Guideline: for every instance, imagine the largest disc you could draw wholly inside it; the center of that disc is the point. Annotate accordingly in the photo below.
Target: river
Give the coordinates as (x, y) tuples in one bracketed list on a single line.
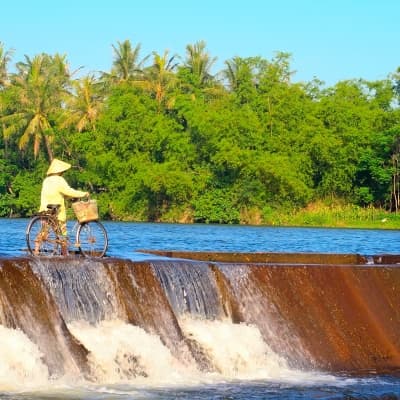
[(271, 381), (126, 238)]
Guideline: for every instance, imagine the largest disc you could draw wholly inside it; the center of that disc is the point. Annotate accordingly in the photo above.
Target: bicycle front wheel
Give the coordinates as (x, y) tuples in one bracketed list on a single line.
[(91, 238), (41, 238)]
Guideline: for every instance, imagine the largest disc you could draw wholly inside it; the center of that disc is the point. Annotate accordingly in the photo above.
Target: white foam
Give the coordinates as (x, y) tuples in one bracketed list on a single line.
[(236, 350), (120, 352), (124, 353), (21, 365), (239, 351)]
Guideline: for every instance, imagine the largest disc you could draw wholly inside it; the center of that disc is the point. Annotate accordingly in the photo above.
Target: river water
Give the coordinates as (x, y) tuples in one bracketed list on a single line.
[(127, 240)]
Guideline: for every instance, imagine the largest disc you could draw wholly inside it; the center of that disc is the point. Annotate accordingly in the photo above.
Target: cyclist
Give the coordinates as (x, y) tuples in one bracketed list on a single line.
[(55, 189)]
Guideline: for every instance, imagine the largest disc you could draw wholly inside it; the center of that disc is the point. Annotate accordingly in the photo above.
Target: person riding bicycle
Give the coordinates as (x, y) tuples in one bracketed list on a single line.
[(55, 189)]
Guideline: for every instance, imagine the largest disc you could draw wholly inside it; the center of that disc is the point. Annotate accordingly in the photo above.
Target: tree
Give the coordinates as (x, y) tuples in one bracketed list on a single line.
[(39, 90), (241, 79), (5, 58), (274, 89), (160, 78), (199, 63), (396, 84), (84, 105), (126, 65)]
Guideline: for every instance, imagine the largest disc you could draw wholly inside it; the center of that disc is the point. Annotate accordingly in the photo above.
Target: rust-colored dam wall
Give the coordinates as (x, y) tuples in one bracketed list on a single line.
[(327, 312), (284, 258), (342, 310)]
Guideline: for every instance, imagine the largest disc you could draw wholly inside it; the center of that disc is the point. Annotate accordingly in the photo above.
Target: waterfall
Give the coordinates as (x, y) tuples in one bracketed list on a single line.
[(237, 350), (27, 305), (258, 307), (120, 352), (113, 320), (21, 361), (190, 287), (81, 287)]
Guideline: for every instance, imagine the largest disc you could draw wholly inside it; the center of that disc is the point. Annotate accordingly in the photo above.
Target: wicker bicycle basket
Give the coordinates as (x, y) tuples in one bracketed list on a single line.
[(86, 211)]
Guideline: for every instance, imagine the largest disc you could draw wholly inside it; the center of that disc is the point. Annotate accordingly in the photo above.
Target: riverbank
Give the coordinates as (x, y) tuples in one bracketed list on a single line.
[(318, 214), (337, 216), (328, 213)]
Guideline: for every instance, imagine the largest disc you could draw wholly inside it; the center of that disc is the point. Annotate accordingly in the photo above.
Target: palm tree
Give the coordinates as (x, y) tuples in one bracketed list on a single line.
[(199, 63), (160, 78), (238, 71), (5, 58), (41, 87), (241, 77), (126, 64), (85, 105)]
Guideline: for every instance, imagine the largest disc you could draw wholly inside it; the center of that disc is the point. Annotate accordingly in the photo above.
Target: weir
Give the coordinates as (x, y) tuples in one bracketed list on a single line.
[(111, 318)]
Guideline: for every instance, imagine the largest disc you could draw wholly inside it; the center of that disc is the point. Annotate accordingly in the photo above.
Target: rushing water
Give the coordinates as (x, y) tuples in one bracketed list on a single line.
[(261, 375)]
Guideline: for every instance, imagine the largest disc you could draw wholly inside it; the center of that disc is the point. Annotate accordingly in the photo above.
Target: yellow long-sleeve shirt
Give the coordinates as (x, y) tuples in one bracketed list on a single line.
[(54, 190)]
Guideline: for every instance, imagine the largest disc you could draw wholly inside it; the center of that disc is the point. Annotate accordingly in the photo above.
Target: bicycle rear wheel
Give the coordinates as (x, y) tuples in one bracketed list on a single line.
[(91, 238), (41, 238)]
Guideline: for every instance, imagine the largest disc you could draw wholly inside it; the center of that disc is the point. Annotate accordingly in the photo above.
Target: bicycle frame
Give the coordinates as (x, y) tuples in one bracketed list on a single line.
[(44, 236)]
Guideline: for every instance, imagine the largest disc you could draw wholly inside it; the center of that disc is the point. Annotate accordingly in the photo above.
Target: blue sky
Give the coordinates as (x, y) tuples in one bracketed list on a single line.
[(331, 40)]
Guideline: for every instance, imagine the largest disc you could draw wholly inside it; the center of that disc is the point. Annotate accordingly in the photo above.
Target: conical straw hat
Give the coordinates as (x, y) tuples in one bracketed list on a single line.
[(58, 166)]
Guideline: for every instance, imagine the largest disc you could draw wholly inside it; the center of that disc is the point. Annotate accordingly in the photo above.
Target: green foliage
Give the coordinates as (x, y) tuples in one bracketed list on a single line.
[(26, 188), (334, 213), (216, 206), (167, 141), (6, 197)]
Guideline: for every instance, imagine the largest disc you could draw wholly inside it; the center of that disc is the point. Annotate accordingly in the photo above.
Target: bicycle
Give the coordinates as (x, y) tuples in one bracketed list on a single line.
[(45, 238)]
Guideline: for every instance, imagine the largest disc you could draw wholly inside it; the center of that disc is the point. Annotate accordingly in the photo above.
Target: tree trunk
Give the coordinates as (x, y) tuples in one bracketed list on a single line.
[(48, 148)]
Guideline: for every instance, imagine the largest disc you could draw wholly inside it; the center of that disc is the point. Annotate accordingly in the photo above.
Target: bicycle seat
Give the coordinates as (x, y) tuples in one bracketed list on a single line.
[(53, 207)]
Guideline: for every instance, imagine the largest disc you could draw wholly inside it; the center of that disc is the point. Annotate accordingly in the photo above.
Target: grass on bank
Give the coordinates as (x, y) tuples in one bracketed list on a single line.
[(336, 216), (332, 213)]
